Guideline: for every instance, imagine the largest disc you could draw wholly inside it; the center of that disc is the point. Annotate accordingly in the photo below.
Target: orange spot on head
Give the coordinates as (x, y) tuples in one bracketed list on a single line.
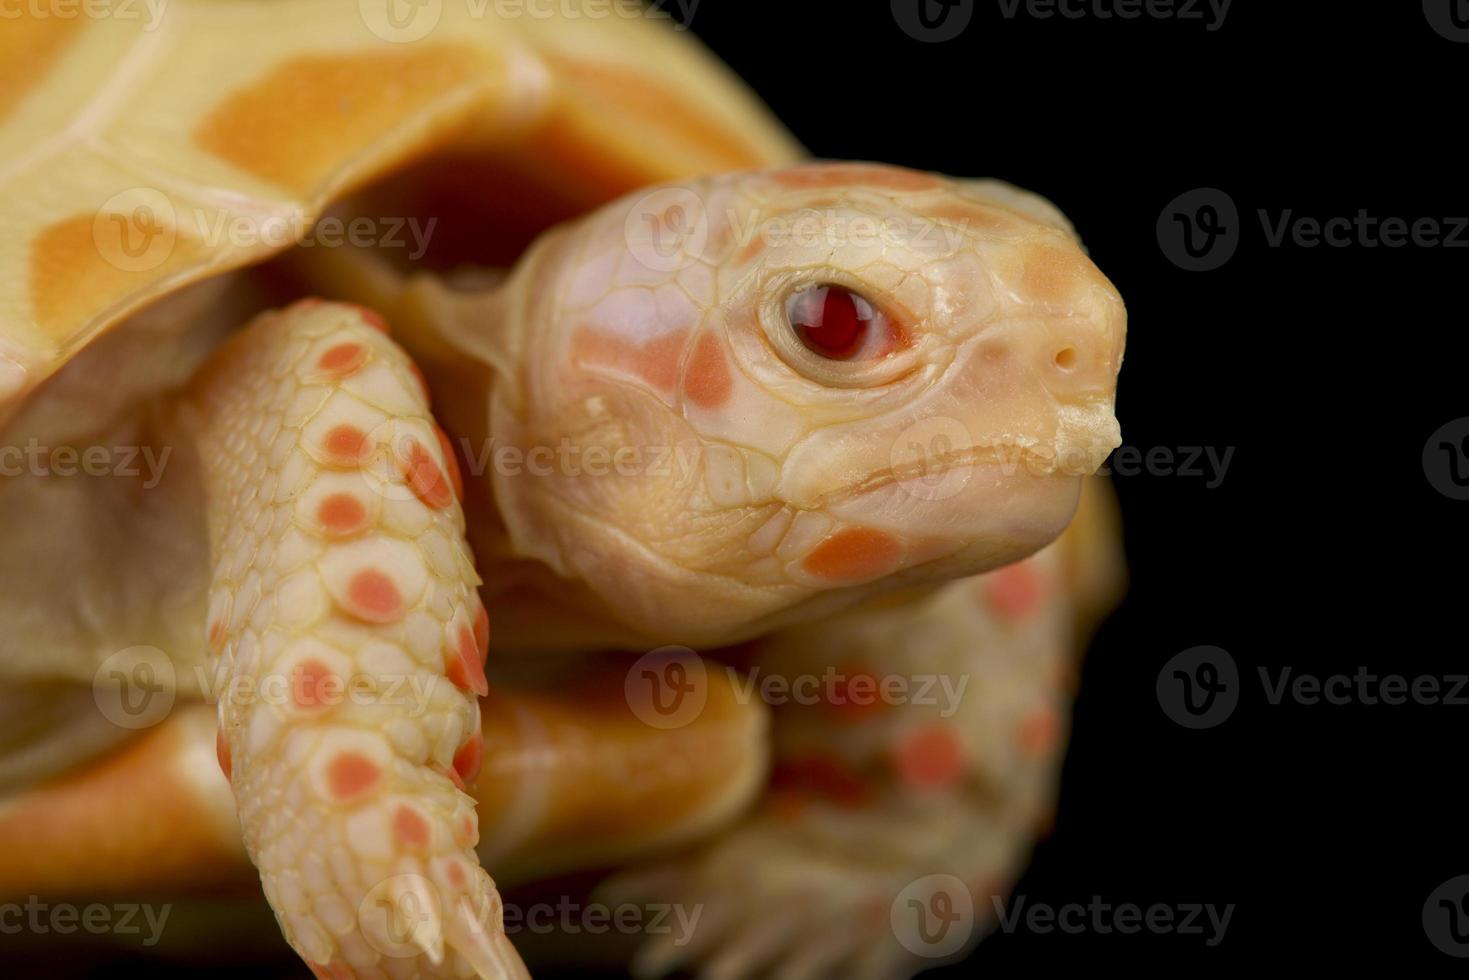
[(313, 685), (222, 753), (655, 361), (469, 757), (1013, 592), (930, 758), (410, 828), (854, 554), (451, 461), (352, 774), (708, 383), (374, 596), (425, 478), (1040, 731), (343, 360), (826, 175), (341, 514), (347, 445), (464, 665)]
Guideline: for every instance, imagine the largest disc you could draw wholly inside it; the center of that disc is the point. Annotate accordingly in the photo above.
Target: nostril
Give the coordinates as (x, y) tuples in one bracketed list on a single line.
[(1066, 358)]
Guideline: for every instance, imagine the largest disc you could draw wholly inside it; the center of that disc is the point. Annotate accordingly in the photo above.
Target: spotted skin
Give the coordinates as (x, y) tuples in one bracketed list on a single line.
[(341, 571)]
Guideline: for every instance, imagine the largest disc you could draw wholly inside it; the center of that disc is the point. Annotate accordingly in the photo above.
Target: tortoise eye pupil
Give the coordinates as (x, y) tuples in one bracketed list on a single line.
[(830, 320)]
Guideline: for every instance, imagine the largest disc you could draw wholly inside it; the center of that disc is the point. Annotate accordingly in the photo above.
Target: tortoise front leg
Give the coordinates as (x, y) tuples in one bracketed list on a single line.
[(917, 745), (347, 641)]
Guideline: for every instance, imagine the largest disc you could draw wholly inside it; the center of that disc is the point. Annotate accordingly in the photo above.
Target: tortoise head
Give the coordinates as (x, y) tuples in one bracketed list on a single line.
[(760, 396)]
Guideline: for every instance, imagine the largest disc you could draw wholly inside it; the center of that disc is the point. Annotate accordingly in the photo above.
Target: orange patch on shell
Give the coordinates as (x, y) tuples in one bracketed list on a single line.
[(707, 382), (428, 482), (352, 774), (655, 361), (343, 360), (823, 175), (29, 47), (469, 757), (854, 554), (930, 758), (341, 515), (347, 445), (312, 115), (374, 597), (410, 828)]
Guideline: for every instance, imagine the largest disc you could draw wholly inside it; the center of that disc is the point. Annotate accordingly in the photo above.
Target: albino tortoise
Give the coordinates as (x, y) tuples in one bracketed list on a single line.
[(779, 412)]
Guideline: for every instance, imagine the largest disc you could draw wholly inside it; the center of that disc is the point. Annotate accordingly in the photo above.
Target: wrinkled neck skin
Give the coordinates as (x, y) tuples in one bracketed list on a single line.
[(669, 462)]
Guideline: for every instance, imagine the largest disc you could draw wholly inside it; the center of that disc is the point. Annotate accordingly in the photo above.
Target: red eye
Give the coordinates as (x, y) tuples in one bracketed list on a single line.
[(838, 324)]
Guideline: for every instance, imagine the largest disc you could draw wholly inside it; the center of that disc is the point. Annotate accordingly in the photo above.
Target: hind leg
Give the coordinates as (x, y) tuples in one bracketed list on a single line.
[(917, 747)]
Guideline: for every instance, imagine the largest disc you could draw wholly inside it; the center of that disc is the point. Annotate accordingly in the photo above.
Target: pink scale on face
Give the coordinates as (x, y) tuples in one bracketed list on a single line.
[(707, 381), (854, 554), (373, 595), (351, 775)]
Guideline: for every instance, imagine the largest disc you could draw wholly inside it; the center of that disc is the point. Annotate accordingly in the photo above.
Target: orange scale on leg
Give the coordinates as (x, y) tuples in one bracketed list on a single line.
[(371, 317), (341, 515), (216, 634), (470, 756), (410, 828), (464, 666), (343, 360), (347, 445), (425, 478), (352, 774), (314, 685), (930, 758), (456, 478), (481, 627), (222, 753), (372, 595)]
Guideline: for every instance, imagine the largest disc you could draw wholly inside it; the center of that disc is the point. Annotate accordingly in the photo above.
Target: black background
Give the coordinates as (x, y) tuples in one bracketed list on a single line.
[(1324, 548)]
